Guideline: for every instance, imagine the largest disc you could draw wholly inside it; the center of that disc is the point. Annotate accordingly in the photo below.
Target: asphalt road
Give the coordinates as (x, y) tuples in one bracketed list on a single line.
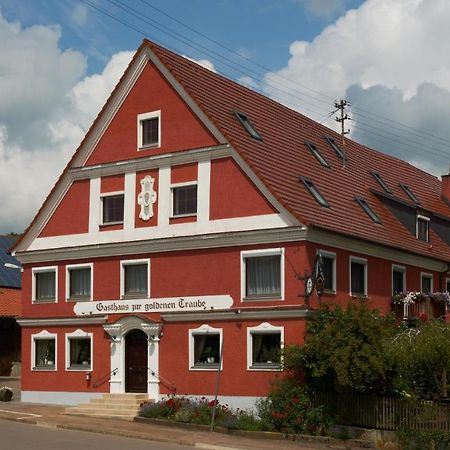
[(21, 436)]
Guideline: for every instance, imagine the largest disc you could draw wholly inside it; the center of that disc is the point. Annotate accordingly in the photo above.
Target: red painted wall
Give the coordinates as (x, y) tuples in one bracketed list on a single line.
[(184, 173), (72, 214), (180, 129), (112, 183)]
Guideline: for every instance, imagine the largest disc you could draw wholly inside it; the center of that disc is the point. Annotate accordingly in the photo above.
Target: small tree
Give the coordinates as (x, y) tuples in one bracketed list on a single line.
[(345, 350)]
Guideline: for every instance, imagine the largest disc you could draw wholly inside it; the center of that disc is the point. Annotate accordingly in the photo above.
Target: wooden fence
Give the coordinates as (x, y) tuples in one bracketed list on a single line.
[(385, 413)]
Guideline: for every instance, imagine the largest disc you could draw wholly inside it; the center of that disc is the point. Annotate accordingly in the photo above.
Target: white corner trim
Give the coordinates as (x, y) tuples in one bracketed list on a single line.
[(129, 201), (258, 253), (44, 334), (263, 328), (429, 276), (76, 335), (79, 266), (362, 261), (203, 330), (94, 204), (145, 116), (203, 192), (164, 207), (133, 262), (36, 270)]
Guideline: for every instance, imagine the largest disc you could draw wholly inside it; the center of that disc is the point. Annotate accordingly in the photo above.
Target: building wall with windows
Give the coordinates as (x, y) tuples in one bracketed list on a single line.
[(178, 242)]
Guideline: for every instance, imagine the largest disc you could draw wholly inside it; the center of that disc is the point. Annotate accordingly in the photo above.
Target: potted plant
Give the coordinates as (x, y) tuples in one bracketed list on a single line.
[(6, 394), (208, 355)]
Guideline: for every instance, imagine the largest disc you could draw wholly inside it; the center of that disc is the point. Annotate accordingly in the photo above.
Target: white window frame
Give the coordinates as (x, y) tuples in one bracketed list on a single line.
[(426, 219), (44, 334), (262, 252), (331, 255), (201, 330), (263, 328), (179, 185), (75, 335), (358, 260), (426, 275), (103, 195), (131, 262), (140, 119), (36, 270), (79, 266), (396, 267)]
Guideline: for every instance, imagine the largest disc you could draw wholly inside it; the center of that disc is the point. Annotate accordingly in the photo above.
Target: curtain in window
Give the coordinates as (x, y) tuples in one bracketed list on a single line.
[(80, 282), (80, 351), (44, 352), (257, 347), (45, 285), (136, 279), (263, 275), (199, 345)]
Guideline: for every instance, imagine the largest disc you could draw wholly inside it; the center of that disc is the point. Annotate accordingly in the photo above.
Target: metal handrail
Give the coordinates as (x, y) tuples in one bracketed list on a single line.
[(163, 380), (105, 378)]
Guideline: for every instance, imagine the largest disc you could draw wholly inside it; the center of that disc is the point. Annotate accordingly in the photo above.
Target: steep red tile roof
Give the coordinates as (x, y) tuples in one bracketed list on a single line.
[(281, 158), (10, 302)]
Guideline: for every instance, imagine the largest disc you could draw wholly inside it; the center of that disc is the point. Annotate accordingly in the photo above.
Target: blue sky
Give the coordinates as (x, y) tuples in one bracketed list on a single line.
[(60, 59)]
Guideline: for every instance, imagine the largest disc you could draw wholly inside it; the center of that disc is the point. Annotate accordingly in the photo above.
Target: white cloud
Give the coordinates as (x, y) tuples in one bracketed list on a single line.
[(206, 63), (45, 110), (395, 46)]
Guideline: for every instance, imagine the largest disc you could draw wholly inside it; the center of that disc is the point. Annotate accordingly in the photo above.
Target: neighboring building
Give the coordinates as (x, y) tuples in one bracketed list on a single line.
[(185, 222), (10, 306)]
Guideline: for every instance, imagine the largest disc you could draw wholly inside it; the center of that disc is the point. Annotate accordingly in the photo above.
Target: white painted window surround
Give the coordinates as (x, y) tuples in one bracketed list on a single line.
[(130, 262), (145, 116), (79, 334), (34, 272), (173, 187), (46, 365), (102, 197), (203, 330), (70, 267), (261, 329)]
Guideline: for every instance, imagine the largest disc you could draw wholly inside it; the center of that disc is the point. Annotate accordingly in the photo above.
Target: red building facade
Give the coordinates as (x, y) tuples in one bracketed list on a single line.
[(176, 242)]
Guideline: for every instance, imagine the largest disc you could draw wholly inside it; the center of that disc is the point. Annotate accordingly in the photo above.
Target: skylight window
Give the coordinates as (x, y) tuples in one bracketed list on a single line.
[(381, 182), (251, 130), (410, 193), (314, 192), (313, 149), (335, 147), (367, 209)]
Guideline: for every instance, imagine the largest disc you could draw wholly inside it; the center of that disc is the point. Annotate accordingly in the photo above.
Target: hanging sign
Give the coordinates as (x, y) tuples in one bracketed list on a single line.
[(152, 305)]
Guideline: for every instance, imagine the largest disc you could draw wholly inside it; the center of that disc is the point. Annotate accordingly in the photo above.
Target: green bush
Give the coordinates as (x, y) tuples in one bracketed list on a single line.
[(424, 440)]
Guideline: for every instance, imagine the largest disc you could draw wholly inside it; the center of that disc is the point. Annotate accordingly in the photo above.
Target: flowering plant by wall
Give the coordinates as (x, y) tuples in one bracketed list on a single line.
[(409, 298)]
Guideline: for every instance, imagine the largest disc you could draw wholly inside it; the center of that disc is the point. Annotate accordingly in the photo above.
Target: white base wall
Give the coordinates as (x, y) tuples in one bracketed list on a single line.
[(58, 398)]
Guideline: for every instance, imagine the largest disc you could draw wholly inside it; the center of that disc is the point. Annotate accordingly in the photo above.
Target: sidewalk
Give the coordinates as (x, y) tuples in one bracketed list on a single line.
[(52, 416)]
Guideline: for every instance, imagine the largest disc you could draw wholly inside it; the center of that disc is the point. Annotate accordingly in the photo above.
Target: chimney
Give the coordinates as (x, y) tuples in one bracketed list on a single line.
[(445, 187)]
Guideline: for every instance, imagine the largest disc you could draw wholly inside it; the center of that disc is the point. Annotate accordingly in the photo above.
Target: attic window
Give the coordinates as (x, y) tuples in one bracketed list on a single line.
[(313, 149), (335, 147), (367, 209), (314, 192), (422, 228), (251, 130), (410, 193), (381, 182)]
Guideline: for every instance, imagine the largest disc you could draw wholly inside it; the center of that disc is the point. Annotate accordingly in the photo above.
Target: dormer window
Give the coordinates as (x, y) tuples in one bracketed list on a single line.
[(410, 193), (422, 228), (335, 147), (149, 130), (381, 182), (245, 122), (314, 192), (367, 209), (313, 149)]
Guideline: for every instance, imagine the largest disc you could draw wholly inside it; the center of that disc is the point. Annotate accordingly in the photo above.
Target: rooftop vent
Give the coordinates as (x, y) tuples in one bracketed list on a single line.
[(245, 122), (314, 192)]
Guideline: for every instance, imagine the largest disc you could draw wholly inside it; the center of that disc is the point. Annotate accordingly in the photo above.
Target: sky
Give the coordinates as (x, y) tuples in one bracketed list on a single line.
[(60, 59)]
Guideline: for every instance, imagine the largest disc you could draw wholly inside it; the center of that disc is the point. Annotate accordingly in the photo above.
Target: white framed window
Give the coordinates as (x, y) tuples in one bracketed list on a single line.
[(135, 278), (329, 270), (44, 351), (265, 343), (205, 343), (44, 284), (149, 130), (79, 282), (112, 208), (358, 276), (184, 199), (262, 274), (398, 279), (426, 282), (423, 228), (79, 351)]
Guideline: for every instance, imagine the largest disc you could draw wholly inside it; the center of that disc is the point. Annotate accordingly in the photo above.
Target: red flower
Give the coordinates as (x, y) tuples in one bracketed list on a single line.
[(213, 403), (423, 316)]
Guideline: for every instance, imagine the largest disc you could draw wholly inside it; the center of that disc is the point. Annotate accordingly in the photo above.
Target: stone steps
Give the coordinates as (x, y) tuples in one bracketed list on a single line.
[(119, 406)]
